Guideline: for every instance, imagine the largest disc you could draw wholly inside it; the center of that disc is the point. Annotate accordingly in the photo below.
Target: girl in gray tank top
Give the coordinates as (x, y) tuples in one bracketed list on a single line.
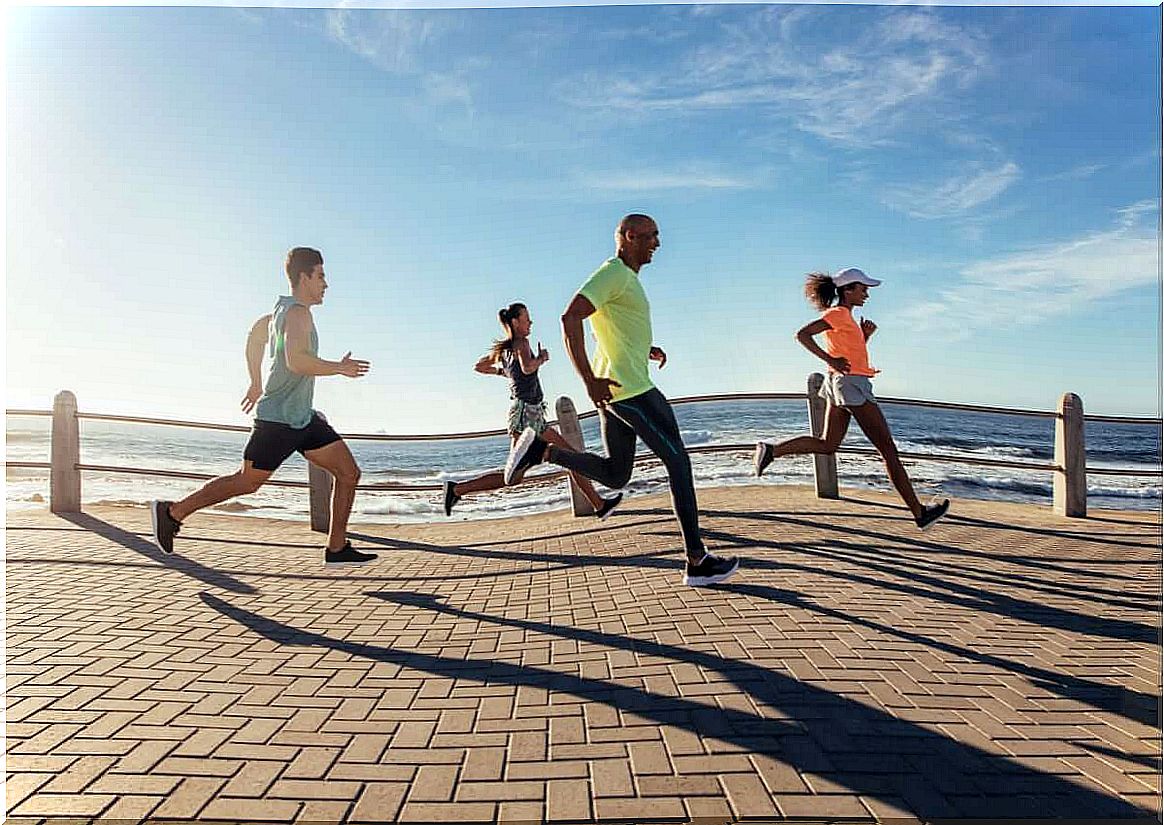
[(512, 357)]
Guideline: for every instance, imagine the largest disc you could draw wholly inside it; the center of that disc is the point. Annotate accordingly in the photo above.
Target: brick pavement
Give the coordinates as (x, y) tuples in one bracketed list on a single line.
[(549, 669)]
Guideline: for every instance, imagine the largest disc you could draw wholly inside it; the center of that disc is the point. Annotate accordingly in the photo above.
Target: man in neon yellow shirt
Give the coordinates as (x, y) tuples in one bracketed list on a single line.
[(618, 383)]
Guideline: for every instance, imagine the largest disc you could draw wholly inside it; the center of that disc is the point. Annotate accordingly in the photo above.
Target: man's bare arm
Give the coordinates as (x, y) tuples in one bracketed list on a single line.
[(256, 343), (297, 332), (579, 310)]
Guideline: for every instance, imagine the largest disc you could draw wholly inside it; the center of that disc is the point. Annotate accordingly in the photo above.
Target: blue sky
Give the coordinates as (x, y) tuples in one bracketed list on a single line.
[(998, 167)]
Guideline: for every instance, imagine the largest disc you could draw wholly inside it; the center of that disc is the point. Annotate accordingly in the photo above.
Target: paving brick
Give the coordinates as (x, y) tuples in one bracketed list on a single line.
[(253, 779), (852, 669), (448, 812), (434, 783), (267, 810), (58, 805), (568, 799), (748, 796)]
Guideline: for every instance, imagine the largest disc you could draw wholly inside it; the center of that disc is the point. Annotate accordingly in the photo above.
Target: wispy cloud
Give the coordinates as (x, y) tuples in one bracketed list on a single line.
[(1048, 281), (1080, 172), (853, 90), (953, 196), (691, 177), (398, 41)]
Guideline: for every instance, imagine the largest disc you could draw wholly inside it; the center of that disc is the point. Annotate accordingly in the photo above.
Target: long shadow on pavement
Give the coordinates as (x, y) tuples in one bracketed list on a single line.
[(1122, 701), (972, 598), (875, 754), (134, 542)]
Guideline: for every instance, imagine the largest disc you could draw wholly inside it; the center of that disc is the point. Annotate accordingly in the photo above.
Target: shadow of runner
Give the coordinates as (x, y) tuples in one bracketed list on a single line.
[(972, 598), (1131, 704), (875, 754), (134, 542)]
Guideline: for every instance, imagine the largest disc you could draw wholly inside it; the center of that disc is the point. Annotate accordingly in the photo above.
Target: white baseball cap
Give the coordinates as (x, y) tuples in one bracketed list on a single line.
[(852, 275)]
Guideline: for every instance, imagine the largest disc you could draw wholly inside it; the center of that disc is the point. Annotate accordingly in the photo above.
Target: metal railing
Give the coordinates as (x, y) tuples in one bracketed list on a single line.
[(1070, 471)]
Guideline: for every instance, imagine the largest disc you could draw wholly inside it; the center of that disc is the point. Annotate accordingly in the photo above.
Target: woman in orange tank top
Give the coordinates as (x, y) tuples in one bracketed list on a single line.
[(847, 387)]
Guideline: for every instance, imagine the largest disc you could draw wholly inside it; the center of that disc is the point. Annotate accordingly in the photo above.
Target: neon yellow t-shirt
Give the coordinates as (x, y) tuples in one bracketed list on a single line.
[(622, 325)]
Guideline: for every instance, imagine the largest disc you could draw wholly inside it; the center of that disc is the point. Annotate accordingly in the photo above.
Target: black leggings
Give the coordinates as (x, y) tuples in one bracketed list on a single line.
[(649, 417)]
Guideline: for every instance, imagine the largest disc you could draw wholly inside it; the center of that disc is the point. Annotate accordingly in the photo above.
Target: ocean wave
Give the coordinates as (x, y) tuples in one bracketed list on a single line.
[(1109, 491), (693, 437)]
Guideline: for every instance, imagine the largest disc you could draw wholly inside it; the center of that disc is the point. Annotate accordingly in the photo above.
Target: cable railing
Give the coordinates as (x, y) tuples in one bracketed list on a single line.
[(1069, 466)]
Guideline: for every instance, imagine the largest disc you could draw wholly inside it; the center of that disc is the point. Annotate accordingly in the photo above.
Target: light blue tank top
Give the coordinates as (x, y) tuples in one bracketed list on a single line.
[(287, 395)]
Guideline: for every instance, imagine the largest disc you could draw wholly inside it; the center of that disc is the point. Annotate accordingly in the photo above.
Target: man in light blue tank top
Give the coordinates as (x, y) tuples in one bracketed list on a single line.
[(284, 419)]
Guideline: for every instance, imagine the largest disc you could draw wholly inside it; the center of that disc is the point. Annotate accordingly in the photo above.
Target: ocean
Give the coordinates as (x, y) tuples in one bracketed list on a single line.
[(915, 429)]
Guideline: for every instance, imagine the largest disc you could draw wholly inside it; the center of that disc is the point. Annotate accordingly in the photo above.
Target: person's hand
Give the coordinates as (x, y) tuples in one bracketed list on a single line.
[(841, 365), (252, 397), (599, 390), (353, 367), (657, 354), (543, 353), (868, 327)]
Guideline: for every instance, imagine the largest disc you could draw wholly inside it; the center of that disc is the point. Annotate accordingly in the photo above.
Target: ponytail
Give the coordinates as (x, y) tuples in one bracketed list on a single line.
[(505, 317), (820, 290)]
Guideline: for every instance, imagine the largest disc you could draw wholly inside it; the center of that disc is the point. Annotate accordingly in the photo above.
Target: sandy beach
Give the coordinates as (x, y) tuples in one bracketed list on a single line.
[(547, 668)]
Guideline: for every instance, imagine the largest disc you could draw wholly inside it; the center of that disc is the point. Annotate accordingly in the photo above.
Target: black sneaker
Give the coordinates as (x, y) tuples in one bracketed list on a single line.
[(608, 507), (527, 451), (763, 457), (711, 570), (451, 497), (165, 525), (346, 556), (932, 513)]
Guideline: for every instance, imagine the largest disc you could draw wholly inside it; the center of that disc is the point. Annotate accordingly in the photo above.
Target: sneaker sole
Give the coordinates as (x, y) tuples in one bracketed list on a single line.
[(757, 458), (703, 581), (347, 563), (520, 449), (610, 512), (932, 523), (154, 521), (935, 521)]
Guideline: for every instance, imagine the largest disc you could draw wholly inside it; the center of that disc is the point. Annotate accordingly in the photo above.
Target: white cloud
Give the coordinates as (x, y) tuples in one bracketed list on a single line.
[(953, 196), (397, 41), (858, 91), (694, 177), (1048, 281)]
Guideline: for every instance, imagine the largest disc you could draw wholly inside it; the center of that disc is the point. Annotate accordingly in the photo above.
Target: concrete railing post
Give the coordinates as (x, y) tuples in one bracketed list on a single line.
[(319, 481), (1070, 484), (65, 478), (571, 430), (824, 467)]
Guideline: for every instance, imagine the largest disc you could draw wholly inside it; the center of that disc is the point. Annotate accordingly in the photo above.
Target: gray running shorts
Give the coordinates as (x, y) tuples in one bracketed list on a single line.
[(847, 390)]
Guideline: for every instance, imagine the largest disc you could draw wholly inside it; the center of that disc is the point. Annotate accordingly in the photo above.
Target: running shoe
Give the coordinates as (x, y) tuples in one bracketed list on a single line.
[(932, 513), (451, 497), (165, 525), (711, 569), (608, 507), (527, 451), (763, 457), (346, 556)]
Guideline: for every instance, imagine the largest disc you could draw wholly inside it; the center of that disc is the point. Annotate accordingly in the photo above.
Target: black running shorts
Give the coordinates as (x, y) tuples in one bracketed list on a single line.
[(272, 443)]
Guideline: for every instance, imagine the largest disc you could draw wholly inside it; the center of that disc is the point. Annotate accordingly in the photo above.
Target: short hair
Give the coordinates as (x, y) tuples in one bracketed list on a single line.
[(632, 220), (301, 259)]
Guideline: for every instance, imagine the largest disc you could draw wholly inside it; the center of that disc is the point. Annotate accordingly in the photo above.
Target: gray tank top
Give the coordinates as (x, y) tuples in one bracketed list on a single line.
[(522, 387), (287, 396)]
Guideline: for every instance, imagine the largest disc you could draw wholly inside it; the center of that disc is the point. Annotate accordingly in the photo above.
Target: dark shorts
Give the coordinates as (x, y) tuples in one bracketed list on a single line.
[(272, 443)]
